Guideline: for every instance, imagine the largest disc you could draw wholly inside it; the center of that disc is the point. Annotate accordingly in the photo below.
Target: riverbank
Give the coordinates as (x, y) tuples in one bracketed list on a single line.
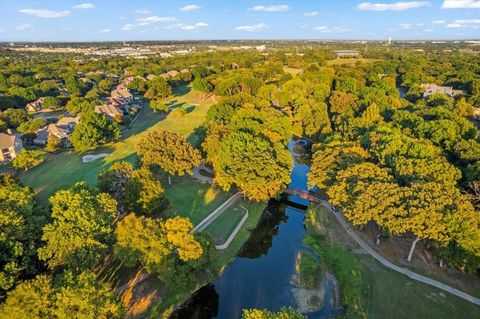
[(368, 290)]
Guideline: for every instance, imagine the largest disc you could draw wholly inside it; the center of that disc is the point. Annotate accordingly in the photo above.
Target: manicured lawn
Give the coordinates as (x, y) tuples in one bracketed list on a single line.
[(190, 198), (224, 225), (372, 291), (64, 169)]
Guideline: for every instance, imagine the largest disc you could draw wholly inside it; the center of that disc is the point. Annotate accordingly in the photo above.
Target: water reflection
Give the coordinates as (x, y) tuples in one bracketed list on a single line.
[(203, 304), (261, 237)]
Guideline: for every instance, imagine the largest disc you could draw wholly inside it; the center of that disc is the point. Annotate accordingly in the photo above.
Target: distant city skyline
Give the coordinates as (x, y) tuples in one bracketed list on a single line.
[(137, 20)]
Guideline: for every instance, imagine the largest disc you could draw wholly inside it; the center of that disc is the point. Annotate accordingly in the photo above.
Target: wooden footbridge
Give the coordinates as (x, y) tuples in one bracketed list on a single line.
[(307, 195)]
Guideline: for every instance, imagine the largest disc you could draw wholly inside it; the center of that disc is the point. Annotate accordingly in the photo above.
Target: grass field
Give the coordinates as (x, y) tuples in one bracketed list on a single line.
[(372, 291), (64, 169), (292, 71), (350, 61), (223, 226), (190, 198)]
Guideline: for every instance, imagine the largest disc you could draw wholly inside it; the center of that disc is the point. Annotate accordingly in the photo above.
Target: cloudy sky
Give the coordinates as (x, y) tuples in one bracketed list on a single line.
[(65, 20)]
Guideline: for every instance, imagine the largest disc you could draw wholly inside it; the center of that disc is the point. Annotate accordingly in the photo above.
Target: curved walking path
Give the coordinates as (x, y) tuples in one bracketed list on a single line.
[(235, 231), (217, 212), (388, 264)]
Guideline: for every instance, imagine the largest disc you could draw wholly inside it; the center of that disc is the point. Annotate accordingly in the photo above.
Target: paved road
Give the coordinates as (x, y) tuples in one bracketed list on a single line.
[(235, 231), (386, 263)]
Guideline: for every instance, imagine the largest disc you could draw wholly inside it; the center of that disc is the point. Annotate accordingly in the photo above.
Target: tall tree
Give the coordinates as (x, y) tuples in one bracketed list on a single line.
[(172, 152), (94, 130), (260, 169), (81, 228)]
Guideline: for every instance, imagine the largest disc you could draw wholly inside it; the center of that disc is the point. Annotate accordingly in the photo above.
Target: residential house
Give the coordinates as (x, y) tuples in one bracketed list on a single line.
[(476, 113), (432, 88), (173, 73), (10, 146), (121, 91), (110, 110), (61, 130), (151, 76), (35, 106)]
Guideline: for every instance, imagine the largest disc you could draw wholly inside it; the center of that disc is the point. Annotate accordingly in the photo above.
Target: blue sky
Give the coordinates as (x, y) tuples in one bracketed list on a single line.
[(118, 20)]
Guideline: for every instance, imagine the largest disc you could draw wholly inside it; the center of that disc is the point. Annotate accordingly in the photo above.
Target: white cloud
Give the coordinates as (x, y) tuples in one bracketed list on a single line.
[(252, 28), (420, 24), (84, 6), (468, 21), (23, 26), (271, 8), (45, 13), (106, 30), (311, 14), (398, 6), (439, 21), (190, 7), (142, 11), (461, 4), (327, 29), (152, 19), (406, 25), (429, 30), (464, 23), (188, 27), (128, 27)]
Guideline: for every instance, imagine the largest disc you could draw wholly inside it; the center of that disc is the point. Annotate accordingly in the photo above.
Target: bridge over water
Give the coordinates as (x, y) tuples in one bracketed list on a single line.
[(307, 195)]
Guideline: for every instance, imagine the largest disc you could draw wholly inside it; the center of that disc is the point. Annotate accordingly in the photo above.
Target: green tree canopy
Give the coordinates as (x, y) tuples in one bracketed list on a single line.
[(81, 228), (92, 131)]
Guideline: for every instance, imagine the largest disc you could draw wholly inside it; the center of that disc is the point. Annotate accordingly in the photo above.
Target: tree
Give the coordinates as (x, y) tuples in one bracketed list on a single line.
[(285, 313), (202, 85), (30, 299), (149, 241), (80, 105), (259, 169), (53, 143), (83, 296), (14, 117), (136, 190), (81, 228), (94, 130), (28, 158), (462, 108), (159, 105), (220, 112), (31, 126), (19, 233), (138, 84), (158, 88), (50, 102), (70, 296), (170, 151), (313, 118)]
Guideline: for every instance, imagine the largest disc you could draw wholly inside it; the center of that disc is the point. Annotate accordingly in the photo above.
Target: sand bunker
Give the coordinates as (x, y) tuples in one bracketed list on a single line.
[(90, 158)]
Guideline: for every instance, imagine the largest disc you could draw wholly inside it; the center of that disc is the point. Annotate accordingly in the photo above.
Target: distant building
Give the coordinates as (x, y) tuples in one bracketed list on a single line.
[(121, 91), (10, 146), (431, 88), (347, 53)]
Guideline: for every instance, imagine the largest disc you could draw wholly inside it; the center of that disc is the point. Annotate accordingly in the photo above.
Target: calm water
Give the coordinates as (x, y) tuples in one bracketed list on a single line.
[(260, 276)]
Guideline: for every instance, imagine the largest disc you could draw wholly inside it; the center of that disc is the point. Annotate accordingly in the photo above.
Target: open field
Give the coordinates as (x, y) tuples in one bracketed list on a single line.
[(292, 71), (350, 61), (223, 226), (64, 169), (372, 291)]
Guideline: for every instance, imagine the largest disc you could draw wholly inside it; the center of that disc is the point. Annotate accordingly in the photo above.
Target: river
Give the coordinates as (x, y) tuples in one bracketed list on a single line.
[(261, 274)]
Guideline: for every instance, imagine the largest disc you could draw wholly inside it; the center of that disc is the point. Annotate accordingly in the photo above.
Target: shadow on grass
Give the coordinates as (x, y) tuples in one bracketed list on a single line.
[(181, 90)]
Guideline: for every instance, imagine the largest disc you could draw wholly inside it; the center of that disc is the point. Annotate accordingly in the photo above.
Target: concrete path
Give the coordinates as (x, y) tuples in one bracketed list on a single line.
[(235, 231), (388, 264), (217, 212)]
